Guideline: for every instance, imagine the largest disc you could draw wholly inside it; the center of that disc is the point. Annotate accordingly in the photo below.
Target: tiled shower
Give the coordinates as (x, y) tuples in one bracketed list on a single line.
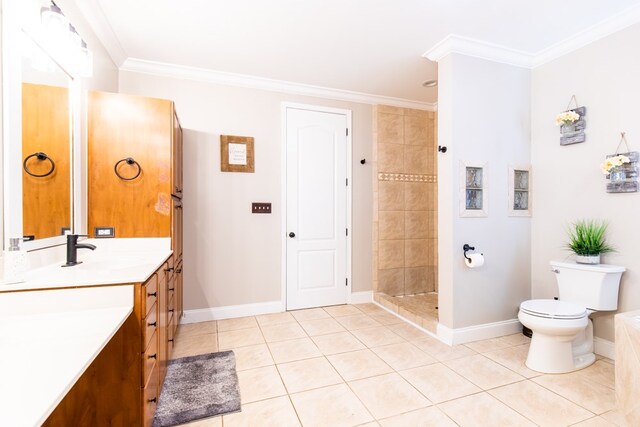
[(405, 233)]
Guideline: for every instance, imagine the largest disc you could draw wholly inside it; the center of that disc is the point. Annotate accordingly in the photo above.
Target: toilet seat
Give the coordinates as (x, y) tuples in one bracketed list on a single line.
[(553, 309)]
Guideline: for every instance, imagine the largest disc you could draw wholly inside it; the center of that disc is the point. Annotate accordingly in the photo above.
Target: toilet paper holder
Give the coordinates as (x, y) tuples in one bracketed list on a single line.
[(466, 248)]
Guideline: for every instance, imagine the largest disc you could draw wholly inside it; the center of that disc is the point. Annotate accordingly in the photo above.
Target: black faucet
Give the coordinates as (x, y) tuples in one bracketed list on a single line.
[(72, 249)]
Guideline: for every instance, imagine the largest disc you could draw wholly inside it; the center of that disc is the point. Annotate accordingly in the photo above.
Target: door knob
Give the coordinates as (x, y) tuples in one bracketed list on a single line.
[(292, 234)]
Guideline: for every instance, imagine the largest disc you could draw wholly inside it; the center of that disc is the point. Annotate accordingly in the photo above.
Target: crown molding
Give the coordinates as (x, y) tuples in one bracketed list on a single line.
[(602, 29), (454, 43), (96, 18), (253, 82)]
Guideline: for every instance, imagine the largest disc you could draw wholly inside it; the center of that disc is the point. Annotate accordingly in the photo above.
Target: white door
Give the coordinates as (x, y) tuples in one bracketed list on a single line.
[(317, 152)]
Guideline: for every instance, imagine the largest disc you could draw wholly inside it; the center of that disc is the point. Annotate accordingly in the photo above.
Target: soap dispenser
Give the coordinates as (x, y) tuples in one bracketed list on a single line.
[(15, 262)]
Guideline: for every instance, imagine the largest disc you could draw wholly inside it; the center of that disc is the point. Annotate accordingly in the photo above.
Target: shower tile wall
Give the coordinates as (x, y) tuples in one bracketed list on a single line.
[(405, 198)]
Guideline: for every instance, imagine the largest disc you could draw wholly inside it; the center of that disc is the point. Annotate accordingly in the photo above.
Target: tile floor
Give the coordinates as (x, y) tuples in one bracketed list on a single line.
[(358, 365), (421, 309)]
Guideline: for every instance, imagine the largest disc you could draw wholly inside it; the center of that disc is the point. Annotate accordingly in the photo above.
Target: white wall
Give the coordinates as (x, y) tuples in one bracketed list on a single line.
[(233, 257), (484, 116), (568, 184)]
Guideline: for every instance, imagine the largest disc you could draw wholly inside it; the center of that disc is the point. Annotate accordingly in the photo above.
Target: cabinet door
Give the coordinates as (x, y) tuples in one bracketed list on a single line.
[(121, 127)]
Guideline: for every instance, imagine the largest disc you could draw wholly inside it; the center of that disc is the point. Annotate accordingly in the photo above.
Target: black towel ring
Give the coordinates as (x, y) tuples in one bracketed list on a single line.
[(129, 161), (40, 156)]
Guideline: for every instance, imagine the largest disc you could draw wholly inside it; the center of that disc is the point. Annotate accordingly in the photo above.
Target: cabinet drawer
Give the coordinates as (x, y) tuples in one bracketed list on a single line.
[(149, 326), (149, 294), (150, 395), (149, 358)]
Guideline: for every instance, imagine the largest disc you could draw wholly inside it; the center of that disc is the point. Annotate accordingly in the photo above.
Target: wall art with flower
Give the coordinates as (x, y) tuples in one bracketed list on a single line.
[(622, 172), (572, 125)]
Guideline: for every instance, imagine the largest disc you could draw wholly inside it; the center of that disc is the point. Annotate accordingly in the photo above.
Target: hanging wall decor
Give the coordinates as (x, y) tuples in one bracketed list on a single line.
[(572, 123), (621, 169), (236, 153)]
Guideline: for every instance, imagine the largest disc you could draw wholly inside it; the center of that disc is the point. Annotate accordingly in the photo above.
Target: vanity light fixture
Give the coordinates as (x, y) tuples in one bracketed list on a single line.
[(430, 83)]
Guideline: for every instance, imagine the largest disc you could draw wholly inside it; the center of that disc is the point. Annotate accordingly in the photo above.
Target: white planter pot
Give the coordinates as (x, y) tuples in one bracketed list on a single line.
[(588, 259)]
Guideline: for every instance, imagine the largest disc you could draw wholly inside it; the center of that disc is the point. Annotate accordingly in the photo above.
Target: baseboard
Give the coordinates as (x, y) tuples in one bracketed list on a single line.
[(361, 297), (478, 332), (231, 311), (604, 348)]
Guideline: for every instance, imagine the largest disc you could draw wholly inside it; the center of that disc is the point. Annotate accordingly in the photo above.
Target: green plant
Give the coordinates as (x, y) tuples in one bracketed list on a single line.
[(586, 237)]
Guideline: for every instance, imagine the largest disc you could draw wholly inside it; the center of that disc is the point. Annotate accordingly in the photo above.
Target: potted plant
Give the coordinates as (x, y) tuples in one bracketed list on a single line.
[(587, 241)]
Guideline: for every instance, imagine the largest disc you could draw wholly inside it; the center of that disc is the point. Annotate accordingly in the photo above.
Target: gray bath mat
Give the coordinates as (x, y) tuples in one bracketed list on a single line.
[(198, 387)]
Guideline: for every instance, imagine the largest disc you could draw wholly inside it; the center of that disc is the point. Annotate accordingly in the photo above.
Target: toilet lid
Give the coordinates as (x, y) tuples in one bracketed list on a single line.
[(553, 309)]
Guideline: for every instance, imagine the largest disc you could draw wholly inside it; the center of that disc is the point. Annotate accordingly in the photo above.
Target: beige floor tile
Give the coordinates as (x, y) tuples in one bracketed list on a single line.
[(195, 344), (274, 319), (334, 406), (408, 332), (486, 346), (540, 405), (342, 310), (594, 422), (388, 395), (386, 318), (371, 424), (593, 396), (310, 314), (201, 328), (601, 372), (442, 351), (321, 326), (358, 321), (207, 422), (277, 412), (614, 418), (237, 323), (253, 356), (429, 417), (482, 409), (377, 337), (240, 338), (259, 384), (439, 383), (340, 342), (403, 356), (360, 364), (308, 374), (282, 332), (289, 351), (370, 308), (514, 358), (515, 339), (483, 372)]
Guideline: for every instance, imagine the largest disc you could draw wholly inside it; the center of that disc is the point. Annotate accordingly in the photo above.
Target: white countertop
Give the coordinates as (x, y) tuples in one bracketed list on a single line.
[(47, 341), (114, 261)]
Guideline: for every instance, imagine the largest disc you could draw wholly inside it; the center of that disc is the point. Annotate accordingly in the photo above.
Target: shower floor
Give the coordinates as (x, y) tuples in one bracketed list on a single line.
[(421, 309)]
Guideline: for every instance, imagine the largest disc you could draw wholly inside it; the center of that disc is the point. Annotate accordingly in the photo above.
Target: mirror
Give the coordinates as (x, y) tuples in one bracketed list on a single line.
[(47, 129), (43, 58)]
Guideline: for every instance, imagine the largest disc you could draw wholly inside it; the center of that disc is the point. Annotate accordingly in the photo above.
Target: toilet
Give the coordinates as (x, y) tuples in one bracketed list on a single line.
[(562, 338)]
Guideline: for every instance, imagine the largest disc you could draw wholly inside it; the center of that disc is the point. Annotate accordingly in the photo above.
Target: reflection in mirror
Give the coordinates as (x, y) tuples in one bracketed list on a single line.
[(46, 146)]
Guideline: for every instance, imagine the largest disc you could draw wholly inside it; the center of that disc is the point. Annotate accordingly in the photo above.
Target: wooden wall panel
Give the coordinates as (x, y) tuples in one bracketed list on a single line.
[(121, 126), (46, 201)]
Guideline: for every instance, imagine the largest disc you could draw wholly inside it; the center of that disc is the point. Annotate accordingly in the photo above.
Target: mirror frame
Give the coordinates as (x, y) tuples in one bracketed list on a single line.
[(12, 134)]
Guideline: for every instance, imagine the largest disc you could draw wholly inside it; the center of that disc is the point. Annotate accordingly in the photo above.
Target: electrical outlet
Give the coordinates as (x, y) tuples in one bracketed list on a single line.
[(260, 208), (104, 232)]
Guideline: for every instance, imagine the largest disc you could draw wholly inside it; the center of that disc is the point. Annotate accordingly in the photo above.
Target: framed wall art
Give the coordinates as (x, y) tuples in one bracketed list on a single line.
[(236, 154)]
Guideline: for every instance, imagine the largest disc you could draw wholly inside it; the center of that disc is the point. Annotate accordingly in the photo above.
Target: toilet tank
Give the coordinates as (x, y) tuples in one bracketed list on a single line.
[(594, 286)]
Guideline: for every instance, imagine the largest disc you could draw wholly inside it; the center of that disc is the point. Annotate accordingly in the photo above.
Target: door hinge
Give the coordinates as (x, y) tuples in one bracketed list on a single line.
[(347, 182), (346, 282), (347, 231), (347, 131)]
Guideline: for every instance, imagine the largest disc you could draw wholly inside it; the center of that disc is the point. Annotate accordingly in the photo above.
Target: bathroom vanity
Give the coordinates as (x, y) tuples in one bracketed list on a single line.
[(111, 319)]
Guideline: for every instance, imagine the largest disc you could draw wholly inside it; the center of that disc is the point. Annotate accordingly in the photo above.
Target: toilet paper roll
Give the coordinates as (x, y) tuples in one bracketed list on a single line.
[(475, 261)]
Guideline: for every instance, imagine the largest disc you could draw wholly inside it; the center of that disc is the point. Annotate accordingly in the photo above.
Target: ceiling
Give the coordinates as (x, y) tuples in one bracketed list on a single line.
[(368, 46)]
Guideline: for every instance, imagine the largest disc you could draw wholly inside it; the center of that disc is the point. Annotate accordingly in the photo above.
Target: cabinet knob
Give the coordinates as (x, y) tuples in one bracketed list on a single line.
[(171, 311), (171, 340), (179, 271), (151, 324), (151, 356), (169, 270), (152, 294), (154, 400)]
